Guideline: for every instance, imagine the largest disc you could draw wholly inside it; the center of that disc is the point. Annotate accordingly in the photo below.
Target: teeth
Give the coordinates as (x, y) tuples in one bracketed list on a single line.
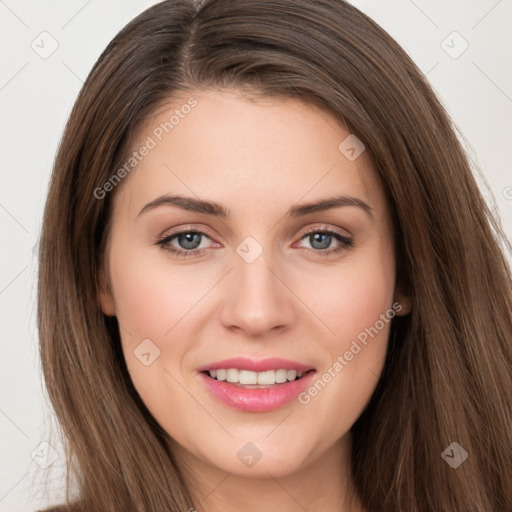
[(232, 375), (291, 374), (280, 376), (246, 377), (265, 378)]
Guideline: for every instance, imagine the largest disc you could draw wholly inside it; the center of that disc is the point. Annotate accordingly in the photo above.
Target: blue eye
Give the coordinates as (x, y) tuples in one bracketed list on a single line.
[(320, 241), (189, 242)]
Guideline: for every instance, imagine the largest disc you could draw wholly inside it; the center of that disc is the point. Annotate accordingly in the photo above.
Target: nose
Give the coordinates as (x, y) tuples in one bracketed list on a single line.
[(258, 299)]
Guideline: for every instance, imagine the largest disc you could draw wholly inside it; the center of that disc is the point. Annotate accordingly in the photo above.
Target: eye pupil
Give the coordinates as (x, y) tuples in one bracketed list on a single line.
[(189, 240), (323, 238)]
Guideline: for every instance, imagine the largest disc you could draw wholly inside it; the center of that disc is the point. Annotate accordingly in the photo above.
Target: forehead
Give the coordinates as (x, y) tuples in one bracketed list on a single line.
[(245, 152)]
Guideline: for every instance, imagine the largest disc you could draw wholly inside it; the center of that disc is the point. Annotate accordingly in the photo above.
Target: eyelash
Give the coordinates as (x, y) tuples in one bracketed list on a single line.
[(164, 242)]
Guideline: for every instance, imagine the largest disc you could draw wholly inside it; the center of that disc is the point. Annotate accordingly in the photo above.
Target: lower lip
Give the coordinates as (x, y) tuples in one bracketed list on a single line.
[(257, 399)]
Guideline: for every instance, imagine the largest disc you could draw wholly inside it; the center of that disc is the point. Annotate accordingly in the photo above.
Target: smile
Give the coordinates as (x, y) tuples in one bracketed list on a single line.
[(256, 386)]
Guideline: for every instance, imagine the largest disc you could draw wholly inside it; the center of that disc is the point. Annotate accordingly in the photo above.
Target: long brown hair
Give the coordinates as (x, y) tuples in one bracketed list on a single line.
[(447, 376)]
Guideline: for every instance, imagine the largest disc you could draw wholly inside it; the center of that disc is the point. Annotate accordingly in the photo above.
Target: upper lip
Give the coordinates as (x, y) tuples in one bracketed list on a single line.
[(261, 365)]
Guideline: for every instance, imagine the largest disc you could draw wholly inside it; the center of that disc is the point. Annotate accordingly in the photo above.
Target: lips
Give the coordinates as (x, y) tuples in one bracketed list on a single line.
[(256, 386)]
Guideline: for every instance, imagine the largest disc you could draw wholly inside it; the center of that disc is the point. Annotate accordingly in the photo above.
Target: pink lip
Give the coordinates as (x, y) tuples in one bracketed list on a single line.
[(257, 399), (263, 365)]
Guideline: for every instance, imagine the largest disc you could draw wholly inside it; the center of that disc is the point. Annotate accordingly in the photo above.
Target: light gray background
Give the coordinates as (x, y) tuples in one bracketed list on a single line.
[(36, 95)]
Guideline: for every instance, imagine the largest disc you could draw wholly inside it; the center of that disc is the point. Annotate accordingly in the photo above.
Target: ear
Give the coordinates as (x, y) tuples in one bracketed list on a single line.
[(106, 298), (403, 303)]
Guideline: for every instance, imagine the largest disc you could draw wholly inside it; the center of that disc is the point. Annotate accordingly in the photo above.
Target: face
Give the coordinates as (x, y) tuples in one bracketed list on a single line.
[(247, 232)]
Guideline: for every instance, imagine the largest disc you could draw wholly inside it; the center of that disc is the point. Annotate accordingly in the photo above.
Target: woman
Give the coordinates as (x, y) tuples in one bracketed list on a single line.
[(267, 276)]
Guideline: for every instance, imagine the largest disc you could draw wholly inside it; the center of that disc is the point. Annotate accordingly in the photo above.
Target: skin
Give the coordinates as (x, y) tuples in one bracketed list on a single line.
[(258, 158)]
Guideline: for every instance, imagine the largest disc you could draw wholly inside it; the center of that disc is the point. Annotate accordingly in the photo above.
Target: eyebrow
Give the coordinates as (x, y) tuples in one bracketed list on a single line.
[(217, 210)]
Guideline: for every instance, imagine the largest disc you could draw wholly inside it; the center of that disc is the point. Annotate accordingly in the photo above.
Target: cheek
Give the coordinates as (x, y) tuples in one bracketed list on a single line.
[(151, 298), (359, 310), (150, 301), (367, 297), (352, 298)]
